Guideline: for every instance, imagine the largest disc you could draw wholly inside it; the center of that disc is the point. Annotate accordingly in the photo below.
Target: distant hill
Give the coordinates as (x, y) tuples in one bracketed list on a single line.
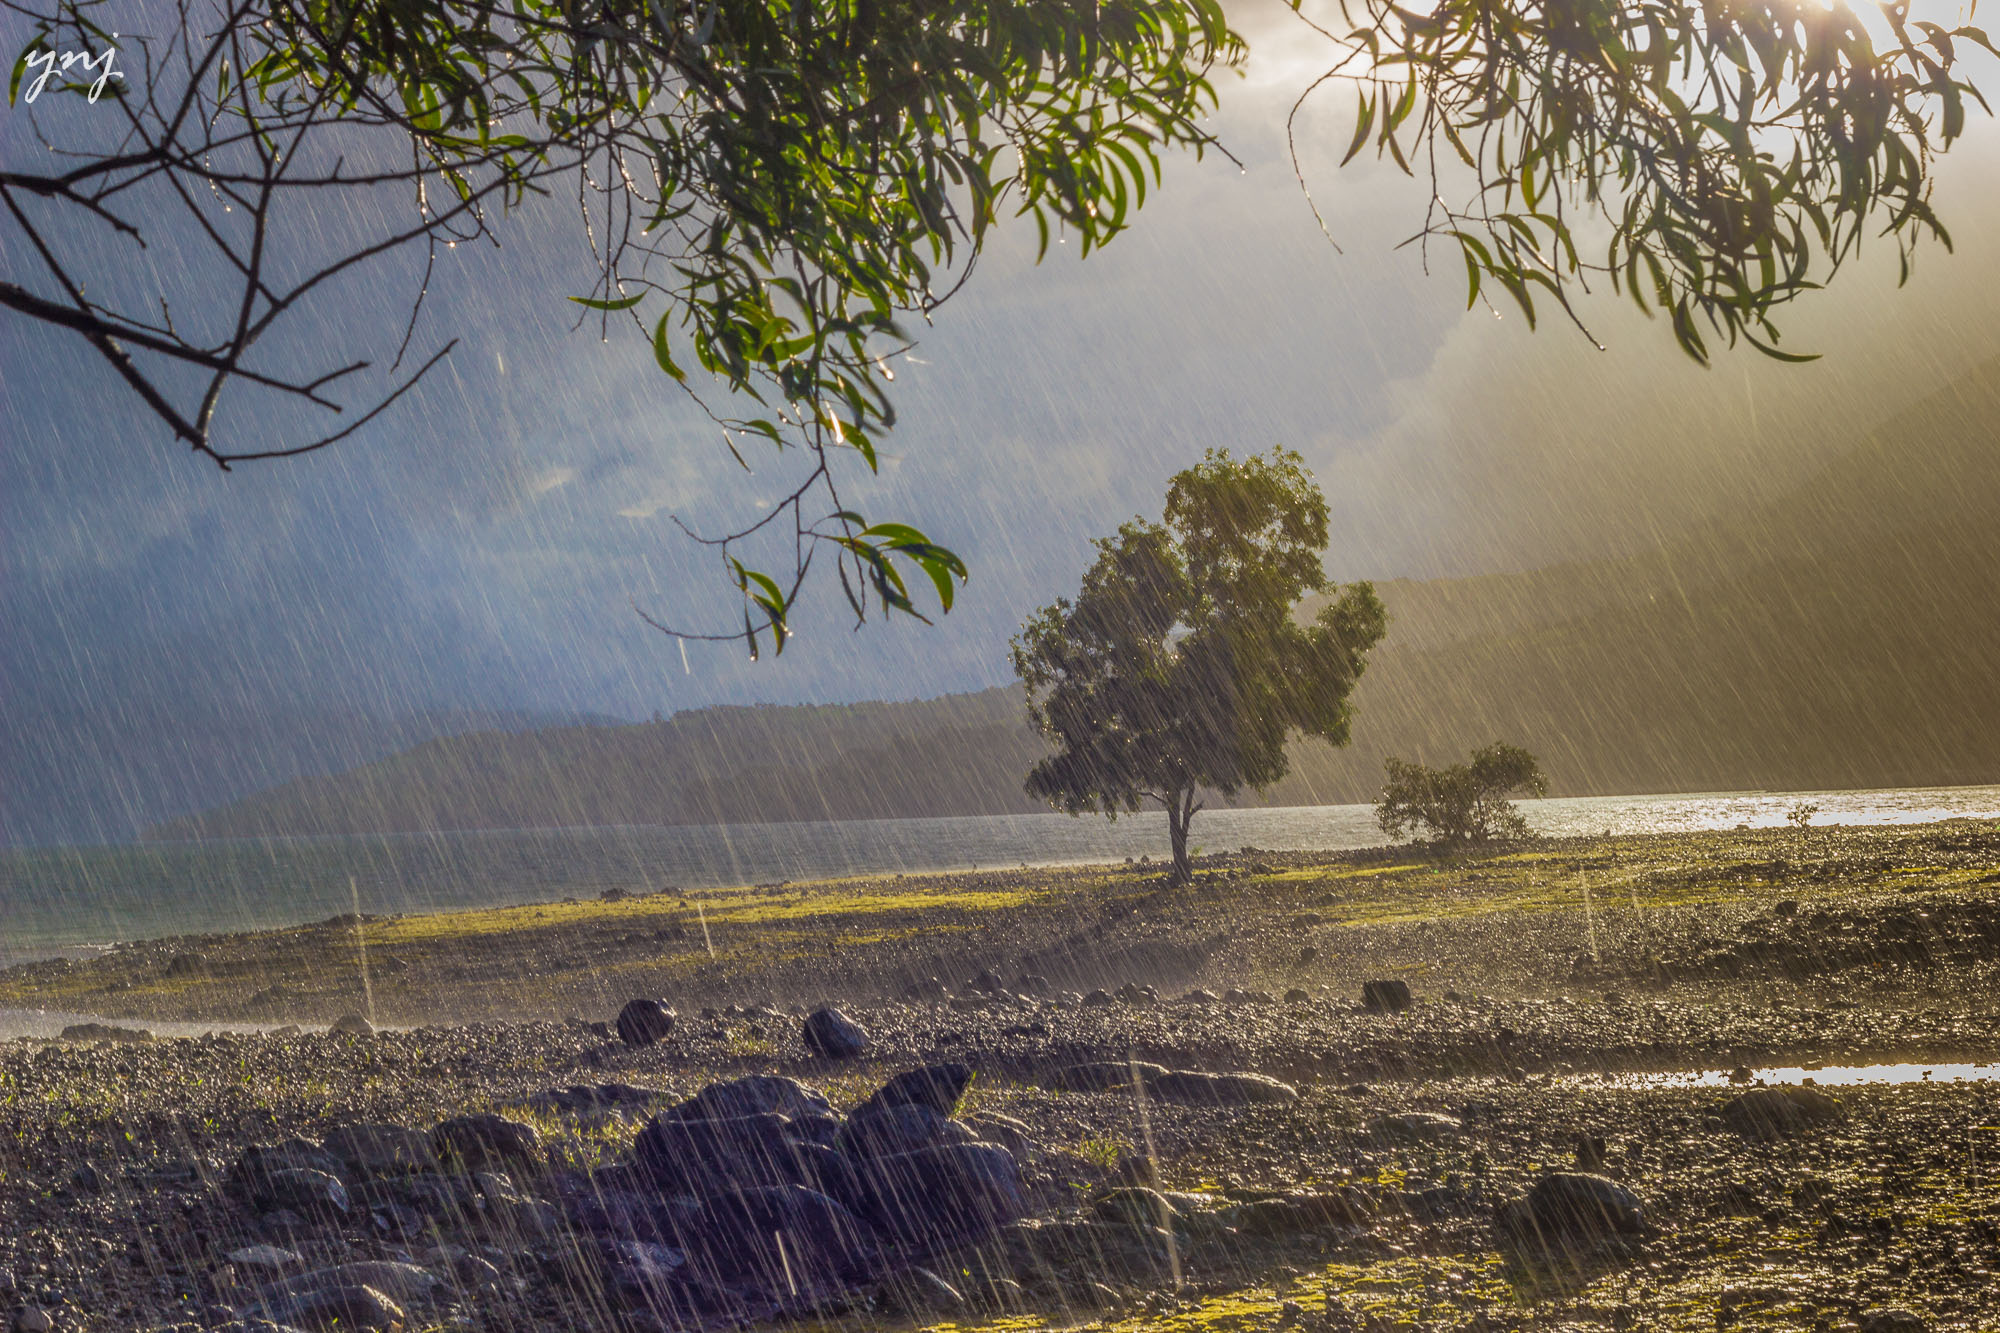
[(1847, 635), (962, 754)]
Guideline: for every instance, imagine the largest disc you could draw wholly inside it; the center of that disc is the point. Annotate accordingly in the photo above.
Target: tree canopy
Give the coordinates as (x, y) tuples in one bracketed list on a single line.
[(1713, 160), (1180, 667), (773, 189), (1469, 802)]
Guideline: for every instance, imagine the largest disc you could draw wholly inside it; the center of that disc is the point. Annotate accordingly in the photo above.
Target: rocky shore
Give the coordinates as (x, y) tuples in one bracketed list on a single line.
[(1244, 1136)]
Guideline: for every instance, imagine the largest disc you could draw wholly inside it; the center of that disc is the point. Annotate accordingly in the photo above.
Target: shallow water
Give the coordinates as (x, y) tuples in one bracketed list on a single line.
[(56, 898), (1824, 1076)]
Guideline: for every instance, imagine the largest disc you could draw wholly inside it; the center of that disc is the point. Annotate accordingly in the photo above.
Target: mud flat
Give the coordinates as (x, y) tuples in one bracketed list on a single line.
[(1474, 1161)]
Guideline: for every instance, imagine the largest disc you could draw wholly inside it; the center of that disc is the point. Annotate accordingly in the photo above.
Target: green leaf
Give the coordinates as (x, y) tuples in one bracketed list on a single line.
[(625, 304)]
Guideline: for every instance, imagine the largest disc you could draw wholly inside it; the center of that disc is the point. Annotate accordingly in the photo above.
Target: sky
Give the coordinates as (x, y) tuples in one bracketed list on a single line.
[(490, 542)]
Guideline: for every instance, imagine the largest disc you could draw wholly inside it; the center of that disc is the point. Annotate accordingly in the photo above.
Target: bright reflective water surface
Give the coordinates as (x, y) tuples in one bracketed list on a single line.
[(1824, 1076), (54, 898)]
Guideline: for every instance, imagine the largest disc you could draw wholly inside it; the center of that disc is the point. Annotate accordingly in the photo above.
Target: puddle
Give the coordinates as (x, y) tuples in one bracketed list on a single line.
[(1824, 1076)]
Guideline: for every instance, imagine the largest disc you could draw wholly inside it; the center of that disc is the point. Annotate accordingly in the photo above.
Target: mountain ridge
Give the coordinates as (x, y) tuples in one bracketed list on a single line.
[(1846, 634)]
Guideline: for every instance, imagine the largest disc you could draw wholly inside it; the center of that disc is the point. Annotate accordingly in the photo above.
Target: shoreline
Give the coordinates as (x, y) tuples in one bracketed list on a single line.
[(67, 900)]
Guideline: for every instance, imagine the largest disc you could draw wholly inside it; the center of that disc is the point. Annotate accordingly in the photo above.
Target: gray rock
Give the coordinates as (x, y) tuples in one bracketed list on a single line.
[(784, 1239), (250, 1178), (1192, 1088), (104, 1032), (1136, 1206), (882, 1131), (314, 1195), (407, 1283), (269, 1257), (938, 1086), (1894, 1320), (645, 1022), (352, 1025), (469, 1270), (1297, 1213), (756, 1094), (588, 1098), (1106, 1076), (340, 1308), (1391, 996), (708, 1156), (487, 1142), (832, 1034), (1005, 1131), (940, 1198), (1772, 1113), (381, 1150), (1573, 1205), (1414, 1127), (33, 1319), (918, 1291)]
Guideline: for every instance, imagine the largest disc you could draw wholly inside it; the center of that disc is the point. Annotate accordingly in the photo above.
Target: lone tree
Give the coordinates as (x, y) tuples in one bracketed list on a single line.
[(1464, 803), (1181, 667)]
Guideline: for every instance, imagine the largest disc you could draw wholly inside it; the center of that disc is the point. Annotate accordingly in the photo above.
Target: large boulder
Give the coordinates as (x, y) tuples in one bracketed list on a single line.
[(706, 1156), (104, 1032), (1568, 1207), (1774, 1113), (595, 1098), (756, 1094), (832, 1034), (254, 1178), (404, 1283), (339, 1309), (938, 1086), (645, 1022), (883, 1131), (487, 1142), (781, 1238), (1390, 996), (381, 1150), (941, 1197)]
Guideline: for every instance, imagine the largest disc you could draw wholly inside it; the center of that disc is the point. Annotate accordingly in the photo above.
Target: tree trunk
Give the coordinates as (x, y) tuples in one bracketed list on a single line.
[(1180, 813)]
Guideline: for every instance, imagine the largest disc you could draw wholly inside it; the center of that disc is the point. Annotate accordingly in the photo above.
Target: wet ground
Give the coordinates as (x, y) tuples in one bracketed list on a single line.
[(1732, 954)]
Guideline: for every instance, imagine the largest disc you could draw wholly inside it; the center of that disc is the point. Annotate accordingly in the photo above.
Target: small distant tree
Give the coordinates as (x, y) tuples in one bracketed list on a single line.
[(1181, 666), (1469, 802)]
